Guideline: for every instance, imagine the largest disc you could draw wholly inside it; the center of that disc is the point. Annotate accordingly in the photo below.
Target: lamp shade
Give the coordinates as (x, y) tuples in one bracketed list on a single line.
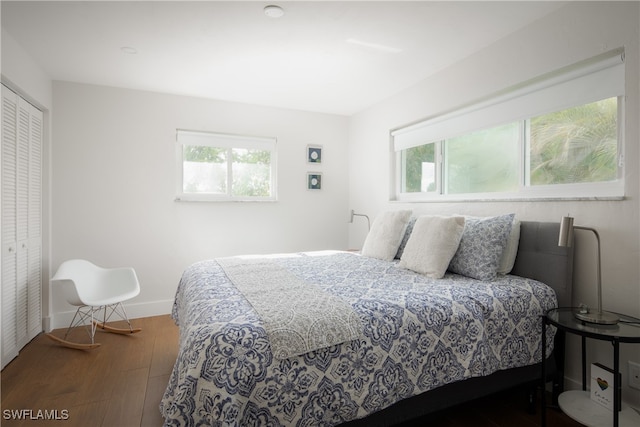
[(565, 237)]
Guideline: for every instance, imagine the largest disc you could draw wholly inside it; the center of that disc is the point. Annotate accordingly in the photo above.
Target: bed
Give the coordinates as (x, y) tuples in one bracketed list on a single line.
[(380, 343)]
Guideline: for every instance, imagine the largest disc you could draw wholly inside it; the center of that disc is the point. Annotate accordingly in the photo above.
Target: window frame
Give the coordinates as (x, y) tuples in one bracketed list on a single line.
[(442, 127), (229, 142)]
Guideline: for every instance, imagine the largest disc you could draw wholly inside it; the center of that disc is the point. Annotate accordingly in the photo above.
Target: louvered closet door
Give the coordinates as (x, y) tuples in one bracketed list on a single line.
[(34, 225), (9, 226), (21, 223)]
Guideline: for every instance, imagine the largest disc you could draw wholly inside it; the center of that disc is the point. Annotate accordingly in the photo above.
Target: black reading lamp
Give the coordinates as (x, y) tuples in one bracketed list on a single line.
[(585, 314)]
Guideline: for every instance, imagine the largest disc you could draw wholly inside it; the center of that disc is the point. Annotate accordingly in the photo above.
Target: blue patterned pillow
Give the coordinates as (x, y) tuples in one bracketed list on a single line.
[(405, 239), (481, 246)]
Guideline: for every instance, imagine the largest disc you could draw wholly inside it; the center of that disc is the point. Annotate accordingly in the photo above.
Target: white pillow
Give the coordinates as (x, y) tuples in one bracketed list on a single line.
[(385, 235), (508, 257), (433, 242)]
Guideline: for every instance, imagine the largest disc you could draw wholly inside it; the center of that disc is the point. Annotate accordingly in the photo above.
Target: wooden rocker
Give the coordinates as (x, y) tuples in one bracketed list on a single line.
[(98, 293)]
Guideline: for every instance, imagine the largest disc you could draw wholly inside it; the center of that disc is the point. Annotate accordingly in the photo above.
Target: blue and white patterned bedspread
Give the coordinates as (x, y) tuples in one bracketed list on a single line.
[(419, 334)]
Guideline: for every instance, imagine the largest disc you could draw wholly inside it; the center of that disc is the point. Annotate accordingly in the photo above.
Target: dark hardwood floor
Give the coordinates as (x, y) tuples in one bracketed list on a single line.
[(121, 383)]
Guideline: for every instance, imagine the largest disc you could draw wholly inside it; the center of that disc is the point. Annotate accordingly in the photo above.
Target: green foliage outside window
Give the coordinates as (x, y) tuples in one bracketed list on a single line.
[(251, 172), (484, 161), (576, 145), (203, 153), (206, 168), (413, 160)]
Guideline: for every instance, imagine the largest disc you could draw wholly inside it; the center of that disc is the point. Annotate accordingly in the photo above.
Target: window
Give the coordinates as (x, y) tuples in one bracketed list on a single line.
[(483, 161), (555, 137), (577, 145), (221, 167)]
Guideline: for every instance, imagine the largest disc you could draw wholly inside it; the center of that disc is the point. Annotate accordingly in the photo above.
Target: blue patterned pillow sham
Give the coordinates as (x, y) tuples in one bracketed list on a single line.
[(405, 239), (481, 246), (510, 252)]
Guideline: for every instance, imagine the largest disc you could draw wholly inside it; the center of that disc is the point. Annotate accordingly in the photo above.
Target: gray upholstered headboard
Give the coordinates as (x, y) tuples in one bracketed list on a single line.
[(540, 258)]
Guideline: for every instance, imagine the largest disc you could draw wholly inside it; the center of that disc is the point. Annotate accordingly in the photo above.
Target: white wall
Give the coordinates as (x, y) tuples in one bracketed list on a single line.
[(114, 181), (22, 73), (575, 32)]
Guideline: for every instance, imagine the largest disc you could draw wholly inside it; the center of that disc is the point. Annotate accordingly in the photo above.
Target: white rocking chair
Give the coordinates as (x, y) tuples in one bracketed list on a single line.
[(95, 291)]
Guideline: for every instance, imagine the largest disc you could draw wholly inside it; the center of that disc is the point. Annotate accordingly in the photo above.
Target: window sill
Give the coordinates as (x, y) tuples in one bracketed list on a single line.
[(508, 199), (196, 199), (604, 191)]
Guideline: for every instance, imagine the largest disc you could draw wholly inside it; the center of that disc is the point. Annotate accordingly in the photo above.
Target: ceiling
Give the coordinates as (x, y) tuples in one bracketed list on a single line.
[(324, 56)]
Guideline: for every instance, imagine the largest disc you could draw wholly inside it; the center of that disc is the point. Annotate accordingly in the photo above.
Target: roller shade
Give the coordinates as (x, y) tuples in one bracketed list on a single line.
[(185, 137), (589, 81)]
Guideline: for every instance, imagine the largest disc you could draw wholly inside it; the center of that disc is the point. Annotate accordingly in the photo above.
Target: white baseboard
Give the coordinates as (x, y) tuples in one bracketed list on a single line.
[(134, 311), (572, 384), (46, 324)]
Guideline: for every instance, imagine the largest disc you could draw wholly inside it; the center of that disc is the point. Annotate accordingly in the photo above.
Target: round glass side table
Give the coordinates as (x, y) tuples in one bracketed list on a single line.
[(577, 403)]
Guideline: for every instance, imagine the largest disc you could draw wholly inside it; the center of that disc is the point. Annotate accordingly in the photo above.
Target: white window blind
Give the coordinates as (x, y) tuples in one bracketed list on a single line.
[(185, 137), (592, 80)]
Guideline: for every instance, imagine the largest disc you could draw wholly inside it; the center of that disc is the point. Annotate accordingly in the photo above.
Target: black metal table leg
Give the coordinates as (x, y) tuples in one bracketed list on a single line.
[(543, 411)]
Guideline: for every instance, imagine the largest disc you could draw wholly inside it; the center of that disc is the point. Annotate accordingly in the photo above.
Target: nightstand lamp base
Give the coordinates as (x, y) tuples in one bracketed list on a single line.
[(599, 317)]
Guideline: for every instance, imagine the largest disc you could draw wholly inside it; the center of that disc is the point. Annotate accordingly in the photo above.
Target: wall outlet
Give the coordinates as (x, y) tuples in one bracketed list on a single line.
[(634, 375)]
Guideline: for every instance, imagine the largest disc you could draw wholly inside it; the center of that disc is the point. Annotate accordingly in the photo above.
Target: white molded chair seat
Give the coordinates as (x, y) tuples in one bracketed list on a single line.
[(84, 283), (93, 289)]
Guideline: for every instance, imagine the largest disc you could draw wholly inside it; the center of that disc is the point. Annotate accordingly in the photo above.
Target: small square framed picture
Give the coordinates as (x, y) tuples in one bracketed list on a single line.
[(314, 154), (314, 181)]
